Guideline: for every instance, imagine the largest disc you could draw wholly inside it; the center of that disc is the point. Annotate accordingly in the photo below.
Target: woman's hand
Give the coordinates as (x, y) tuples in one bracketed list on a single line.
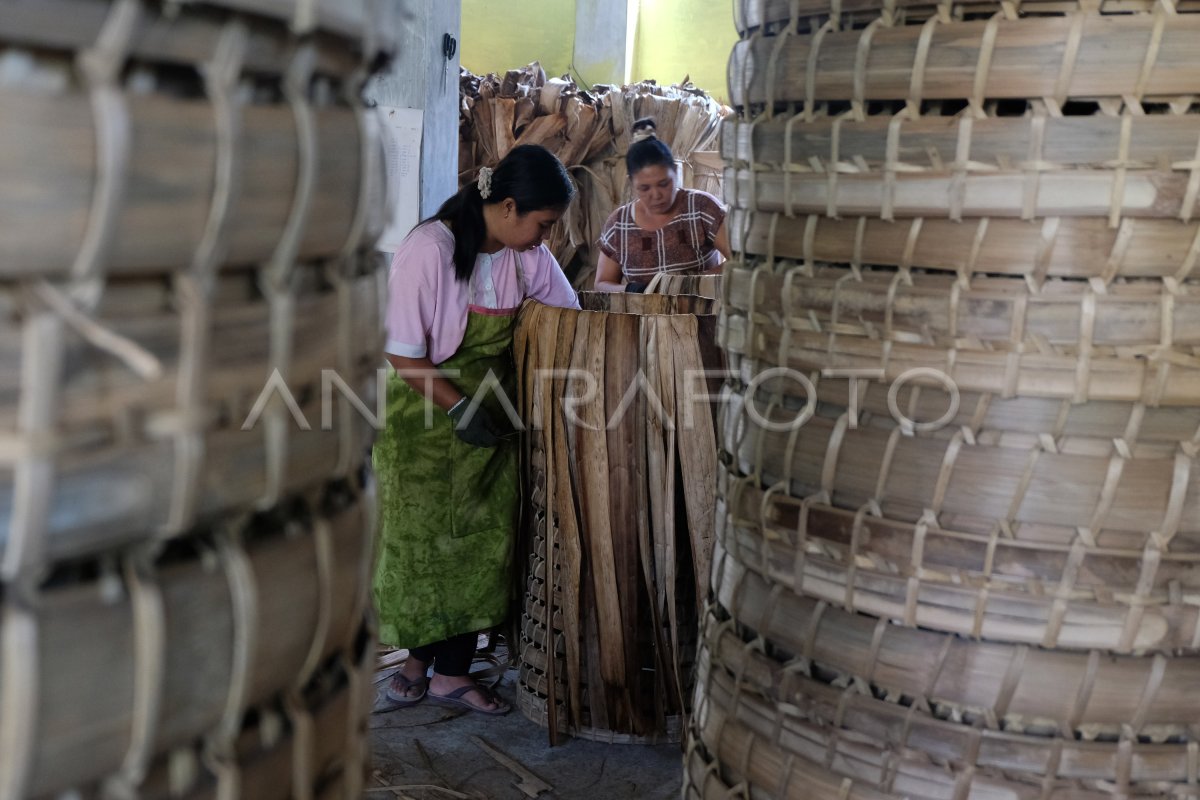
[(608, 275)]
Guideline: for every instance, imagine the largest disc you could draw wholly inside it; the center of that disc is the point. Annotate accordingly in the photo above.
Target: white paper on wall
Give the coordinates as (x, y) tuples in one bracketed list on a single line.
[(402, 161)]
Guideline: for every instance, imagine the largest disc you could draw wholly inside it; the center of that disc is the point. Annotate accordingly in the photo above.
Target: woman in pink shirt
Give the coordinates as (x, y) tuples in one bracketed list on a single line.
[(446, 461), (665, 228)]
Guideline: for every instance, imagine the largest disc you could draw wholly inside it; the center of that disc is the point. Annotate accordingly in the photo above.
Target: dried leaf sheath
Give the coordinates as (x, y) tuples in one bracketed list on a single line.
[(610, 616)]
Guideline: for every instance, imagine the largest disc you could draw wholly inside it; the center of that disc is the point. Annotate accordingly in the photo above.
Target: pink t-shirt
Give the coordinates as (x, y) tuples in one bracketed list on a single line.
[(427, 307)]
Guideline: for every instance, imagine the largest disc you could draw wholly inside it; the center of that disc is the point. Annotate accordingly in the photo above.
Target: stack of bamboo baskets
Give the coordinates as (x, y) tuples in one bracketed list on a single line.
[(959, 530), (187, 299)]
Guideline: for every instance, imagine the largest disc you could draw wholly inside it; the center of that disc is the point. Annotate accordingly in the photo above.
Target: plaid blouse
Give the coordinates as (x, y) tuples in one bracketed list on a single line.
[(685, 245)]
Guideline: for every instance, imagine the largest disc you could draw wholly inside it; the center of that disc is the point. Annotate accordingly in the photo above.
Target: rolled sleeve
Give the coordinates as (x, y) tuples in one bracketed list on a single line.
[(550, 285), (411, 300)]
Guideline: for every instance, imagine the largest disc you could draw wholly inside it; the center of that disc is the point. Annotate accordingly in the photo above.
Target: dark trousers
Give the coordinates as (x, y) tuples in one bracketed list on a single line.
[(450, 657)]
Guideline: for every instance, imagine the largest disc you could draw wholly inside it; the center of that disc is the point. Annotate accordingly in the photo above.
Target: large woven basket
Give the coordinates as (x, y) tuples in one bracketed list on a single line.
[(190, 330), (619, 476), (958, 528)]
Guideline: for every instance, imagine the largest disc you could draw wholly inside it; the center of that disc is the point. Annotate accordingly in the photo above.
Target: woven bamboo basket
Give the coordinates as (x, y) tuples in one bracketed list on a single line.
[(312, 745), (1056, 247), (186, 643), (1003, 197), (910, 476), (190, 327), (119, 475), (92, 164), (773, 16), (619, 462), (1134, 55)]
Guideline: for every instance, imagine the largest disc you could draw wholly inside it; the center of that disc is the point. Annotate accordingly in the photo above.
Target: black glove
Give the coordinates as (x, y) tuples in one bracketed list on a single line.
[(637, 287), (479, 430)]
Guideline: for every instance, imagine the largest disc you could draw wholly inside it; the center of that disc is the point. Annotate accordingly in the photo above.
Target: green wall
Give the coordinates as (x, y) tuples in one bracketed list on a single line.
[(499, 35), (674, 38), (685, 37)]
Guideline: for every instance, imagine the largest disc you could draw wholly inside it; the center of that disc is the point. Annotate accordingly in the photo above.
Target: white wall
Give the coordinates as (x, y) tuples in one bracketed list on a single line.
[(414, 80)]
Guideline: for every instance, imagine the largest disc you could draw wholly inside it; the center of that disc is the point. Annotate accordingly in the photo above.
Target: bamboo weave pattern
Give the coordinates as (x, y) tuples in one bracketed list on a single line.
[(188, 300), (957, 523)]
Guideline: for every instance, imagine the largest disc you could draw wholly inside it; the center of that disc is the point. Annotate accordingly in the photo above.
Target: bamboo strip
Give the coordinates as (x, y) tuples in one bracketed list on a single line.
[(799, 755), (896, 728), (751, 15), (937, 310), (1013, 58), (113, 479), (1140, 194), (1042, 143), (189, 37), (1147, 375), (989, 484), (50, 170), (1105, 572), (849, 578), (82, 733), (1068, 247), (611, 400), (1013, 687)]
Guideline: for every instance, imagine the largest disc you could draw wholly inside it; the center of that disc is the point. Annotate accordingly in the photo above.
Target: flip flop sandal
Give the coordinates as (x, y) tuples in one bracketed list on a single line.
[(402, 701), (456, 698)]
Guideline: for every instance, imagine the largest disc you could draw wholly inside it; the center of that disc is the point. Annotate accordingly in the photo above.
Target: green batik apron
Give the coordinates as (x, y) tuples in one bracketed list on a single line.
[(447, 509)]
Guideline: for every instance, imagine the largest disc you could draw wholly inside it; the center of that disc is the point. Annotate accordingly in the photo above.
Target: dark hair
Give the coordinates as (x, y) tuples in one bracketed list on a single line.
[(649, 152), (529, 174)]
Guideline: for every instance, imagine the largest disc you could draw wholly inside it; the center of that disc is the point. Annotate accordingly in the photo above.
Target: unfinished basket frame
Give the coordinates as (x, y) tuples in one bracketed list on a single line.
[(612, 556)]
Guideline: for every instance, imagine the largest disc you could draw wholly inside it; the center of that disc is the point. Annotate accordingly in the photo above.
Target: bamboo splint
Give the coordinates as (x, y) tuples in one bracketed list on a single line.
[(742, 730), (892, 727), (775, 15), (938, 310), (1150, 375), (1003, 196), (912, 475), (623, 515), (222, 626), (1060, 247), (1137, 56), (1011, 686), (117, 477), (311, 745), (50, 170), (963, 144), (184, 561)]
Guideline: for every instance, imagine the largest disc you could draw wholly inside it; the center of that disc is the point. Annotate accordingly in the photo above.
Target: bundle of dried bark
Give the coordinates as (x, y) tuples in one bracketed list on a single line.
[(588, 129)]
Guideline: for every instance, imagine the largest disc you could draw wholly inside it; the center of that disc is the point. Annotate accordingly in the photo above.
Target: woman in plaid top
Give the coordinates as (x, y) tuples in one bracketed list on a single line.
[(665, 228)]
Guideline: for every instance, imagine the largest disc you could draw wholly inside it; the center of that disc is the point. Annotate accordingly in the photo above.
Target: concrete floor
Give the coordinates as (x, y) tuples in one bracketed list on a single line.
[(432, 752)]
